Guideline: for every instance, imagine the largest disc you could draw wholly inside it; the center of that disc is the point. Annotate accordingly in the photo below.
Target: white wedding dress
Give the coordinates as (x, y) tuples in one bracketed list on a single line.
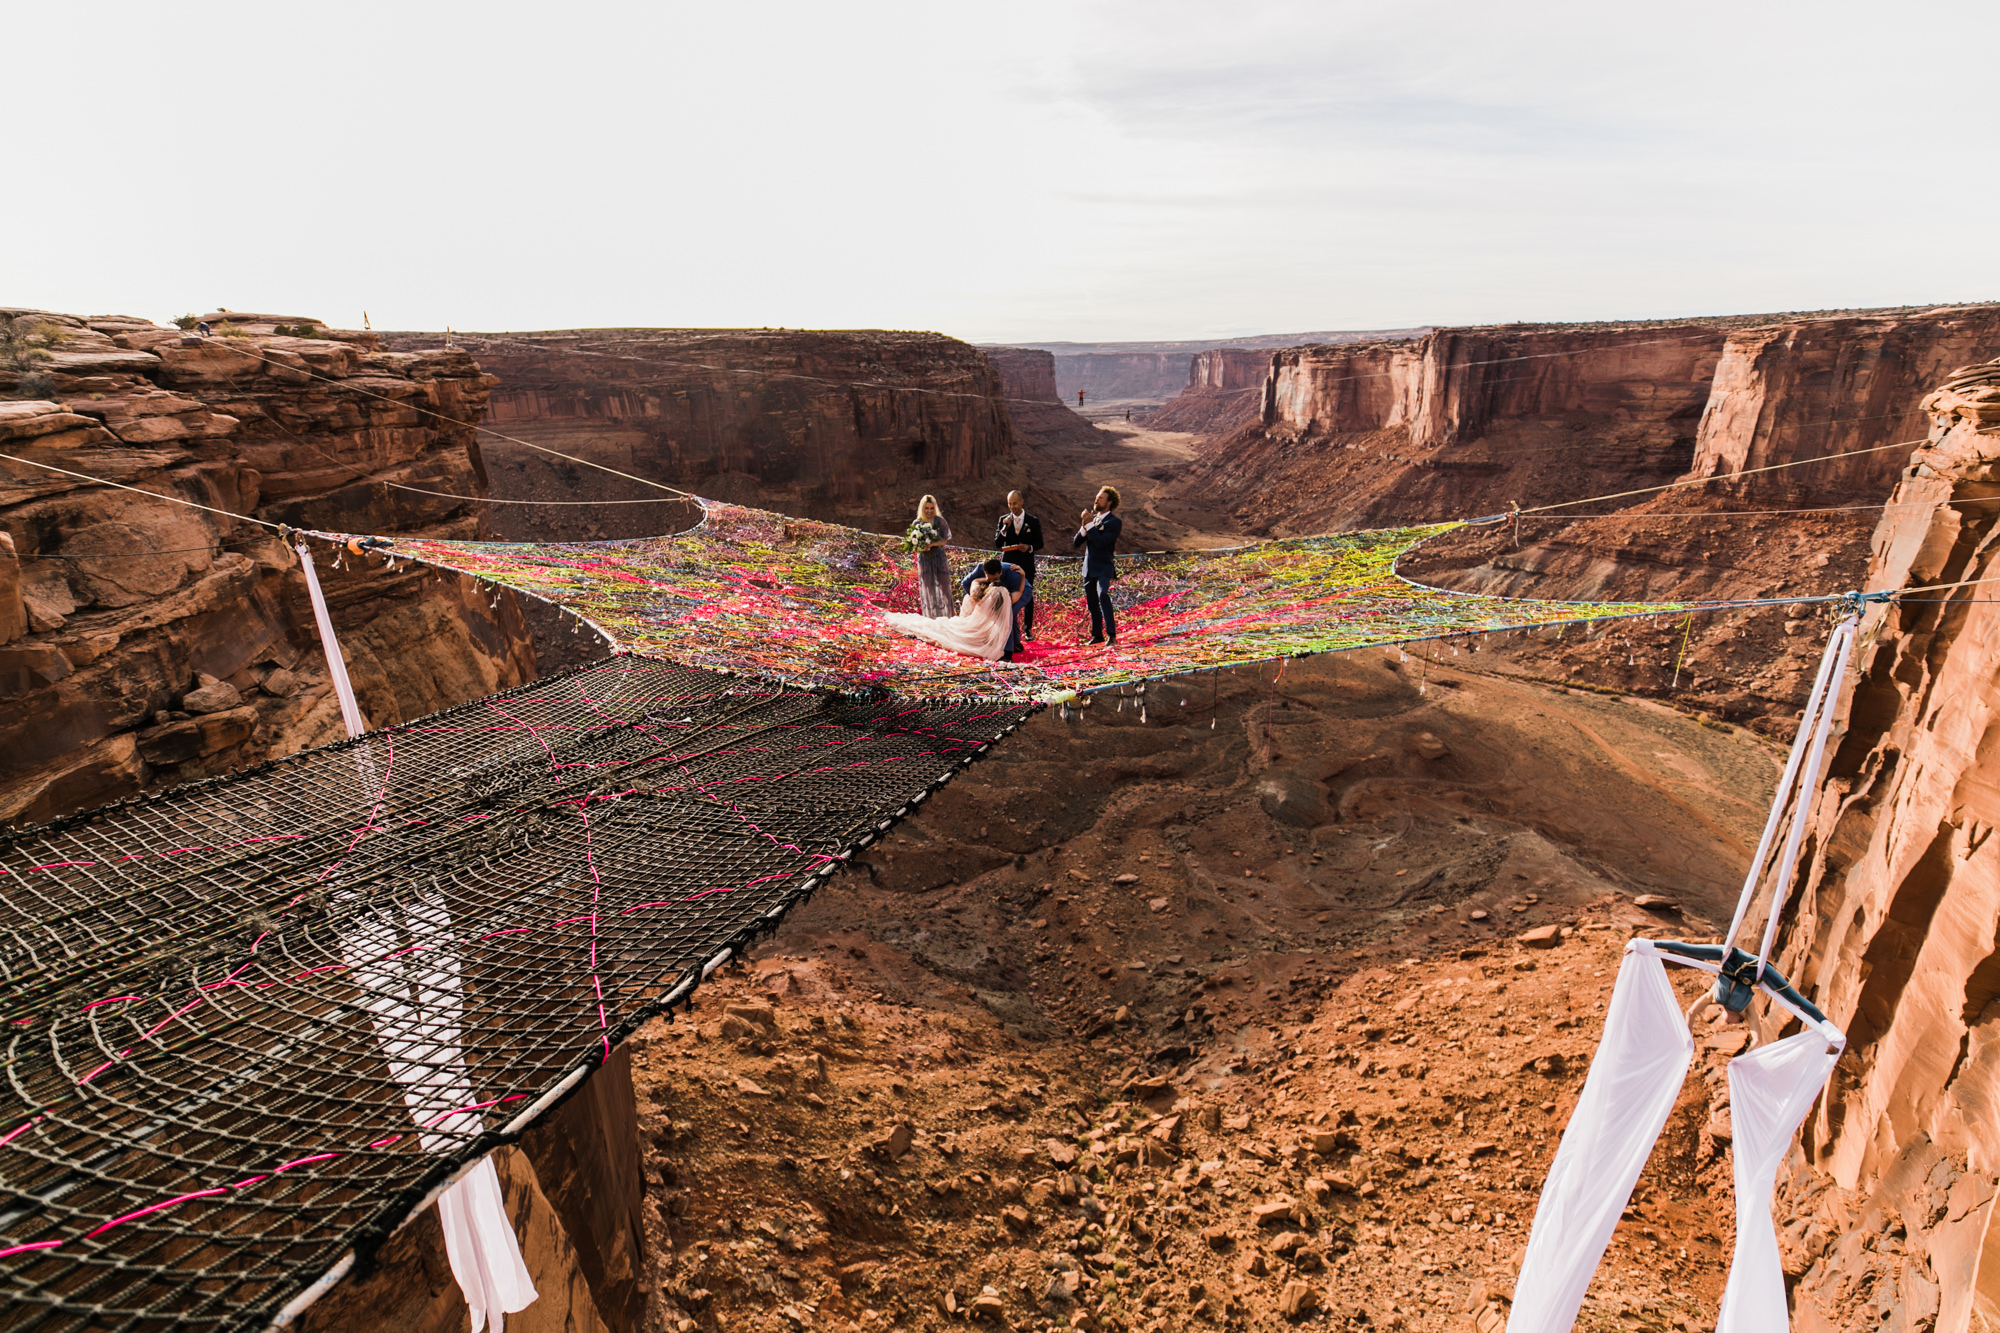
[(980, 629)]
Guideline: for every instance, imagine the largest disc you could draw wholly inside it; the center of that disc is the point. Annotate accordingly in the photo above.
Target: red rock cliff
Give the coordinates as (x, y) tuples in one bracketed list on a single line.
[(821, 424), (1830, 386), (1895, 931), (1225, 392), (143, 642)]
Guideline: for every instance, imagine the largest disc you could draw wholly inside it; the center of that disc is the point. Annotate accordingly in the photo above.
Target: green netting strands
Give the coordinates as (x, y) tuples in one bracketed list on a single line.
[(250, 1024), (794, 600)]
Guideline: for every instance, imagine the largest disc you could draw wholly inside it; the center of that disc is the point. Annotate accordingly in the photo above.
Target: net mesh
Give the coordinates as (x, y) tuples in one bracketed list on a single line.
[(802, 601), (253, 1024)]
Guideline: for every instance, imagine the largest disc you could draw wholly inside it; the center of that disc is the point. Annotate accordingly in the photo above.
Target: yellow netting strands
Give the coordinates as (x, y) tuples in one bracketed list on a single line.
[(793, 600)]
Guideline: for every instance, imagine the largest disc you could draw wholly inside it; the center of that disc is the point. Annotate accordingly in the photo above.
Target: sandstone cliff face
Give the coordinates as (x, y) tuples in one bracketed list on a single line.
[(1896, 929), (143, 642), (812, 423), (1829, 386), (1224, 392)]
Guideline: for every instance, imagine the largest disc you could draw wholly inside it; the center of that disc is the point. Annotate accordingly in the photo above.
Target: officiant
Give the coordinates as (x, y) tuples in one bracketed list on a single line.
[(1017, 538)]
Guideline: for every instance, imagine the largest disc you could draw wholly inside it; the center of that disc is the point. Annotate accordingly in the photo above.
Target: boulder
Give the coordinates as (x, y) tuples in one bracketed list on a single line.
[(1428, 746), (178, 742), (1541, 937), (21, 422), (211, 696), (1293, 799)]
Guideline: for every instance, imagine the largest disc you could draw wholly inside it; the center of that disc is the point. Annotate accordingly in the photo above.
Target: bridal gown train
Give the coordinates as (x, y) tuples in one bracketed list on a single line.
[(980, 629)]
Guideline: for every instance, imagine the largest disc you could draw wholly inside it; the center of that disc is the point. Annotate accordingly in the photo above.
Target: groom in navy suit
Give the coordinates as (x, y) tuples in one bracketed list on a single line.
[(1011, 577), (1098, 536)]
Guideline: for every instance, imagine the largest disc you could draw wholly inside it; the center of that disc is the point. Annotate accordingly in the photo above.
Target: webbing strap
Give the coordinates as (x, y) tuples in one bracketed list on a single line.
[(350, 711)]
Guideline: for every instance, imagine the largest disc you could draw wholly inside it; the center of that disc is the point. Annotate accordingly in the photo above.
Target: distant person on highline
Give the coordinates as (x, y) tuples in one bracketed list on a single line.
[(1017, 539), (1097, 534), (1079, 400)]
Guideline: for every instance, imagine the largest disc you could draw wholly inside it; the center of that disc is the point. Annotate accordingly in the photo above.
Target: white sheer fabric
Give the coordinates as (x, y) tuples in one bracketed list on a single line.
[(1770, 1091), (485, 1256), (980, 629), (1633, 1082), (411, 991)]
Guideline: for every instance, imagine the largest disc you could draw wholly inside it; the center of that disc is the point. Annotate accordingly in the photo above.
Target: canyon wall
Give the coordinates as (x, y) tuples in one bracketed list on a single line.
[(1829, 386), (1466, 420), (1895, 929), (1224, 392), (832, 425), (145, 643), (1119, 376)]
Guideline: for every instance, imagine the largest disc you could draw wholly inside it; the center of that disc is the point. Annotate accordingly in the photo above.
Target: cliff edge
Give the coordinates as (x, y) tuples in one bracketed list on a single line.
[(1896, 929)]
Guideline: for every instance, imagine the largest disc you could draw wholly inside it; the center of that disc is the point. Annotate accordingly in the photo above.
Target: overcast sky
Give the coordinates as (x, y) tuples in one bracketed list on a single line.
[(1002, 172)]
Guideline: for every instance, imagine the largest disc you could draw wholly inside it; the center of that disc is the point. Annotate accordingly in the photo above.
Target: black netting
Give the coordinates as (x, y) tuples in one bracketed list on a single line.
[(251, 1025)]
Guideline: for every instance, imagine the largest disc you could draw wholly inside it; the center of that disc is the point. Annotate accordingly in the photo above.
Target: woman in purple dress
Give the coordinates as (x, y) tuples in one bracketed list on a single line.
[(928, 537)]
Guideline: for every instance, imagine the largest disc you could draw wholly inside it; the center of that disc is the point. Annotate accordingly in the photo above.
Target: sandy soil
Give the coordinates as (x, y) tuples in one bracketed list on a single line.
[(1210, 1013), (1142, 464)]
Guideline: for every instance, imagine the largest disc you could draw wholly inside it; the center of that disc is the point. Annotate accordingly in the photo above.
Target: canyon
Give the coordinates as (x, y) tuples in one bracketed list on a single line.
[(1148, 373), (1255, 1001), (145, 642)]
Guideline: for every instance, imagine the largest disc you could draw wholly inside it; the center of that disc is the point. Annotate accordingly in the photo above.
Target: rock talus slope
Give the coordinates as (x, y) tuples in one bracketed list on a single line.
[(1896, 927), (143, 642)]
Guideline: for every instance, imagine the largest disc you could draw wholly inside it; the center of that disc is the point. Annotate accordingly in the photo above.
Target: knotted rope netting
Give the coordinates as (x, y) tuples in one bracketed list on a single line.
[(255, 1023)]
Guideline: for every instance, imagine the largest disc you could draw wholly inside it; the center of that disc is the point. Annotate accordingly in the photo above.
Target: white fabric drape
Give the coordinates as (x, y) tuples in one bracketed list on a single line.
[(413, 996), (485, 1256), (1633, 1082), (1770, 1091), (411, 990), (336, 667)]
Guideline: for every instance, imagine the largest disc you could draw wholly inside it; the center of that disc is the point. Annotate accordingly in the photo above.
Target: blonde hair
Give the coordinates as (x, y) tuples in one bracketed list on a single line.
[(1111, 491), (930, 500)]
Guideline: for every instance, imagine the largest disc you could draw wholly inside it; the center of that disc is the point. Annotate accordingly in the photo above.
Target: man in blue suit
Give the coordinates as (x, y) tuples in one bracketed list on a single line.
[(1015, 581), (1097, 534)]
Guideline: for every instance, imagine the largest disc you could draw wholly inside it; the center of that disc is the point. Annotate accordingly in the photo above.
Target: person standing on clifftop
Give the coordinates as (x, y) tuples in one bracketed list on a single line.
[(1017, 539), (1097, 534), (927, 537)]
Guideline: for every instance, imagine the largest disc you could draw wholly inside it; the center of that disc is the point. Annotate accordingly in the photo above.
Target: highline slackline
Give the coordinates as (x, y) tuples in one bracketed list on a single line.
[(800, 601)]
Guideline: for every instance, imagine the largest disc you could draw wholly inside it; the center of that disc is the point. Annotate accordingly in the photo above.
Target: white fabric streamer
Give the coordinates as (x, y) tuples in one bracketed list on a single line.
[(485, 1257), (350, 710), (413, 995), (1770, 1091), (1626, 1099)]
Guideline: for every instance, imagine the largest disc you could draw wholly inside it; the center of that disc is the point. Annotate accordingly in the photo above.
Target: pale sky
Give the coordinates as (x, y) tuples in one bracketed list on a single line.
[(1027, 171)]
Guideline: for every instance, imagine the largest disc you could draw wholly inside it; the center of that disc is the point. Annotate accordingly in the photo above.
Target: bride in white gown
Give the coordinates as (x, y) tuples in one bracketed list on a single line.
[(984, 623)]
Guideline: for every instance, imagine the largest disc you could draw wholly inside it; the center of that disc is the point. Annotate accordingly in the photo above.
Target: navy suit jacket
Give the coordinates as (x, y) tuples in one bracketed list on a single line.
[(1098, 544)]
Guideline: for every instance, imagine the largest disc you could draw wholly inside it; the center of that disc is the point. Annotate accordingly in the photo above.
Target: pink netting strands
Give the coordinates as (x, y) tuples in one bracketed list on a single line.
[(1633, 1081), (323, 987)]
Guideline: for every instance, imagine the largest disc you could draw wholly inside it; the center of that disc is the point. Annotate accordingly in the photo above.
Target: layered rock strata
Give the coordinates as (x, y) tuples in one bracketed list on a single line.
[(819, 424), (1224, 393), (144, 642), (1895, 929)]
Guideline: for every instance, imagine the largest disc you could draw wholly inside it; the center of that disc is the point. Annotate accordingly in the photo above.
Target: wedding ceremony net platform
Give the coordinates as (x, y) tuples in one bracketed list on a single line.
[(255, 1024), (791, 599)]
